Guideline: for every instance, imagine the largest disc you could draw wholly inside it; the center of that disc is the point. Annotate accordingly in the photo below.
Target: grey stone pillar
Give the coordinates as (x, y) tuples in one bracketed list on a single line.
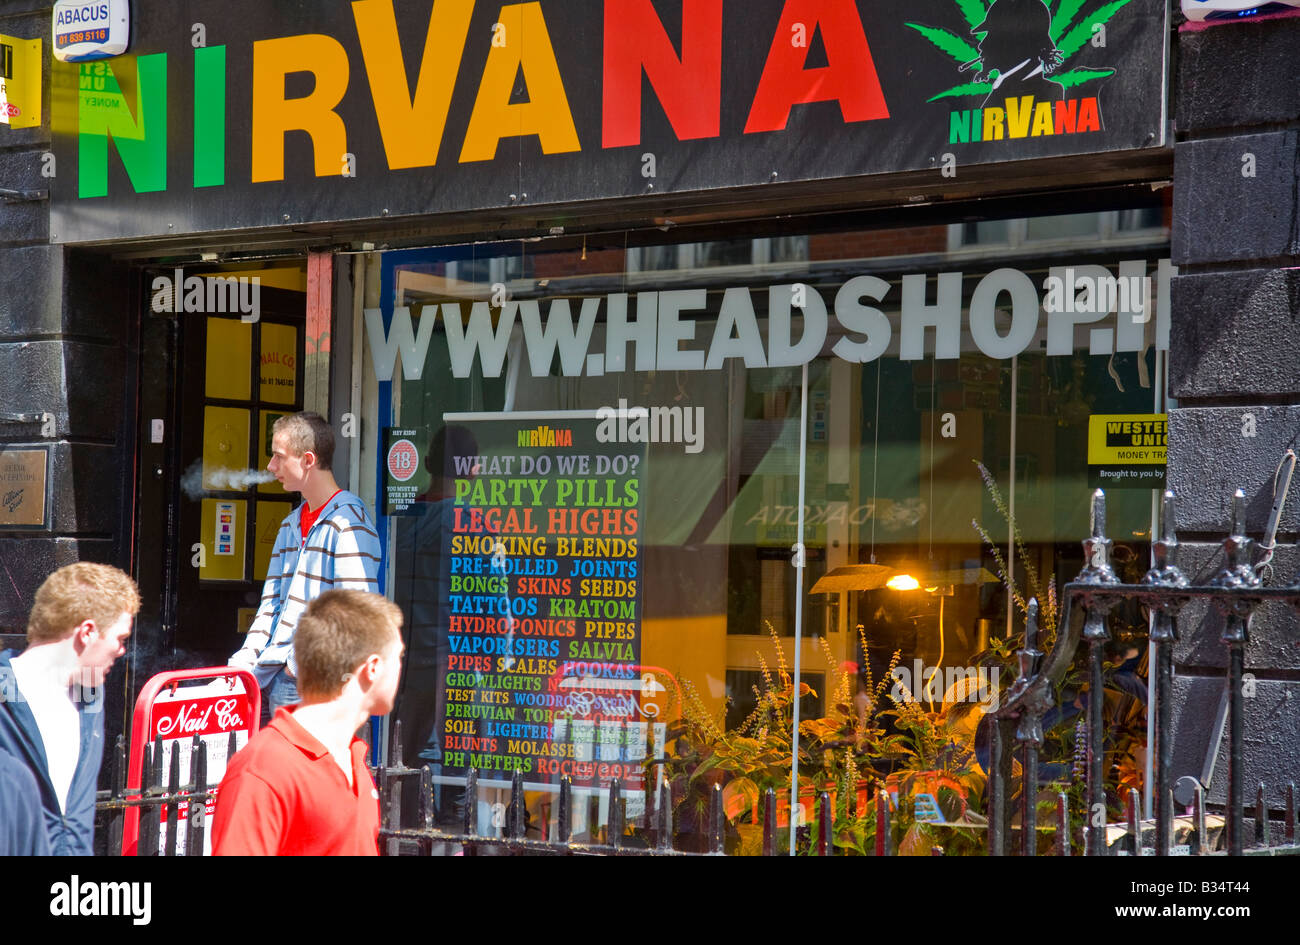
[(65, 320), (1235, 369)]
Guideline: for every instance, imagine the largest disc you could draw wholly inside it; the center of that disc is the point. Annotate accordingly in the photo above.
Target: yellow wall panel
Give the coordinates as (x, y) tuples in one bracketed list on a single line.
[(267, 526), (691, 648), (230, 347), (225, 445)]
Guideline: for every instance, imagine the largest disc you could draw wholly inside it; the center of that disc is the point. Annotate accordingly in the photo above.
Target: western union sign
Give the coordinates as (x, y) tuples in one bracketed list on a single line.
[(20, 82), (1127, 450)]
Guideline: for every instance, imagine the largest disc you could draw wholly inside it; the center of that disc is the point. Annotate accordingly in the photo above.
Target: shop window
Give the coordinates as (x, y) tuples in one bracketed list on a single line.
[(619, 595), (1081, 229), (737, 252), (655, 258), (718, 253), (488, 270), (788, 249), (746, 686), (985, 233), (1139, 219), (1069, 226)]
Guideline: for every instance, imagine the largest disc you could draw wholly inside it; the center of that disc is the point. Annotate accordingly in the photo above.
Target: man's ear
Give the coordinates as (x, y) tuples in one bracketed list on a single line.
[(81, 635), (309, 460)]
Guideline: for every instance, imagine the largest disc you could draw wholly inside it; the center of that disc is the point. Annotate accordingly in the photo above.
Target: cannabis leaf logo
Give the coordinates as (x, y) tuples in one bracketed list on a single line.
[(1070, 29)]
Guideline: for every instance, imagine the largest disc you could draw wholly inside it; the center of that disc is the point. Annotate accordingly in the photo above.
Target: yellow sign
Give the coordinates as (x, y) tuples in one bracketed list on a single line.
[(279, 363), (20, 82), (1129, 439)]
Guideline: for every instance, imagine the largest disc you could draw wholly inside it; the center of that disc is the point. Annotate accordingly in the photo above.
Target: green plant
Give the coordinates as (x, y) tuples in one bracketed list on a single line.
[(1125, 715), (1045, 594), (745, 761), (880, 737)]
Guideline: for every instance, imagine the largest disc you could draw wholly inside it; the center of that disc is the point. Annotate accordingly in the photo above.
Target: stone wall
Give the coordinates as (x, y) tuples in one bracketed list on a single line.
[(1235, 369), (64, 324)]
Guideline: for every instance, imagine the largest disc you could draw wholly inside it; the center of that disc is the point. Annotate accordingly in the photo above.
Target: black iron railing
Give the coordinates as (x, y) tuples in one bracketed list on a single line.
[(426, 838), (1236, 591), (160, 800)]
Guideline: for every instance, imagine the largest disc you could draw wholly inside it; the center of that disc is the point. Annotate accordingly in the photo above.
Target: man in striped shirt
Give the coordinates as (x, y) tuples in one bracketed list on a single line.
[(328, 543)]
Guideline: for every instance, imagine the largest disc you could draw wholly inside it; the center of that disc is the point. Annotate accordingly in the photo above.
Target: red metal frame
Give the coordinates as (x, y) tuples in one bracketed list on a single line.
[(142, 724)]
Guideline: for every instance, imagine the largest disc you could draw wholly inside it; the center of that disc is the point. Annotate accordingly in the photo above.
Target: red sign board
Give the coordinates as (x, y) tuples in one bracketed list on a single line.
[(177, 706)]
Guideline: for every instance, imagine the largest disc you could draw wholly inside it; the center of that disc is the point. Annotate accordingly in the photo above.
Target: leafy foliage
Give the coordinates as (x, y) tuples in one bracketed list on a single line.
[(1124, 715), (877, 737), (1047, 605), (1062, 16)]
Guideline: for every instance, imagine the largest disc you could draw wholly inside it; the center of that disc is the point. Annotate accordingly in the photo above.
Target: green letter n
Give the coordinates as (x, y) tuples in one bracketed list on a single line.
[(959, 127), (141, 139)]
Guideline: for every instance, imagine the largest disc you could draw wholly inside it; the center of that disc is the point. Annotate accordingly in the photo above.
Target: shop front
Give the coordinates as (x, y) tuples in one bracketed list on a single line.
[(721, 377), (637, 505)]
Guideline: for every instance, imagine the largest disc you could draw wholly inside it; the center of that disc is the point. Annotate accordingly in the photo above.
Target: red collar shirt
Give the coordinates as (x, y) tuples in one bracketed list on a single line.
[(308, 517), (284, 795)]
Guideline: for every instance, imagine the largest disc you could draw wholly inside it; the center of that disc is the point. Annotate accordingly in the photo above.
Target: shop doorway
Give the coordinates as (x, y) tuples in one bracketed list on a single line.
[(223, 355)]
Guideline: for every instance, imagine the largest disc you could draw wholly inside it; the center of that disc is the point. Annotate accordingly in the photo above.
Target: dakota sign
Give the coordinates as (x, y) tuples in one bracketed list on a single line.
[(253, 114)]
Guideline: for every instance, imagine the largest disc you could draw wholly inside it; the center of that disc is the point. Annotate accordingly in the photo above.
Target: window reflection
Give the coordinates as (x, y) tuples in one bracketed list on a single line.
[(908, 465)]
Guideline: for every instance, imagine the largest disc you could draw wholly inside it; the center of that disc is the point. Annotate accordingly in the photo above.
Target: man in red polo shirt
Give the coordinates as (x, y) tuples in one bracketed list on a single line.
[(300, 787)]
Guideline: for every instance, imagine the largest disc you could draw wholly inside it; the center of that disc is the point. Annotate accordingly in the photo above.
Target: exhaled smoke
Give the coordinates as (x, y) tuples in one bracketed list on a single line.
[(195, 483)]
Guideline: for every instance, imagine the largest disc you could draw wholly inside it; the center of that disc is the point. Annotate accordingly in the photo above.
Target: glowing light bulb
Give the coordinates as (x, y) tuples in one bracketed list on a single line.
[(903, 582)]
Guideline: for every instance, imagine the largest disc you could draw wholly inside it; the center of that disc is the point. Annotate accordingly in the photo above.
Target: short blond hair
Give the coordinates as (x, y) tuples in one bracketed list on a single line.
[(307, 431), (77, 593), (337, 633)]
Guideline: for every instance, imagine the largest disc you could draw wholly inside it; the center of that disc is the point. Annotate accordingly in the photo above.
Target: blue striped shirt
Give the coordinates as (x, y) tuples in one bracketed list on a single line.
[(341, 552)]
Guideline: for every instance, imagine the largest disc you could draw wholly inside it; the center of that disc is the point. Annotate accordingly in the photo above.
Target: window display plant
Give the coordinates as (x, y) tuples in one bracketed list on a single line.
[(884, 739)]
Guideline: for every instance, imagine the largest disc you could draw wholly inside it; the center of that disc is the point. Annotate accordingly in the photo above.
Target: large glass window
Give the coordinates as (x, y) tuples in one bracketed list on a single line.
[(644, 504)]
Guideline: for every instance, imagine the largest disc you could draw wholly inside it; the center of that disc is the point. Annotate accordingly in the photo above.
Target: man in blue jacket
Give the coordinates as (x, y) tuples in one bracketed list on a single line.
[(22, 825), (52, 695)]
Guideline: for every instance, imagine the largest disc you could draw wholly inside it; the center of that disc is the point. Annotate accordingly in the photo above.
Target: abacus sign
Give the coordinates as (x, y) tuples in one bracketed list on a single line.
[(306, 112), (90, 29)]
